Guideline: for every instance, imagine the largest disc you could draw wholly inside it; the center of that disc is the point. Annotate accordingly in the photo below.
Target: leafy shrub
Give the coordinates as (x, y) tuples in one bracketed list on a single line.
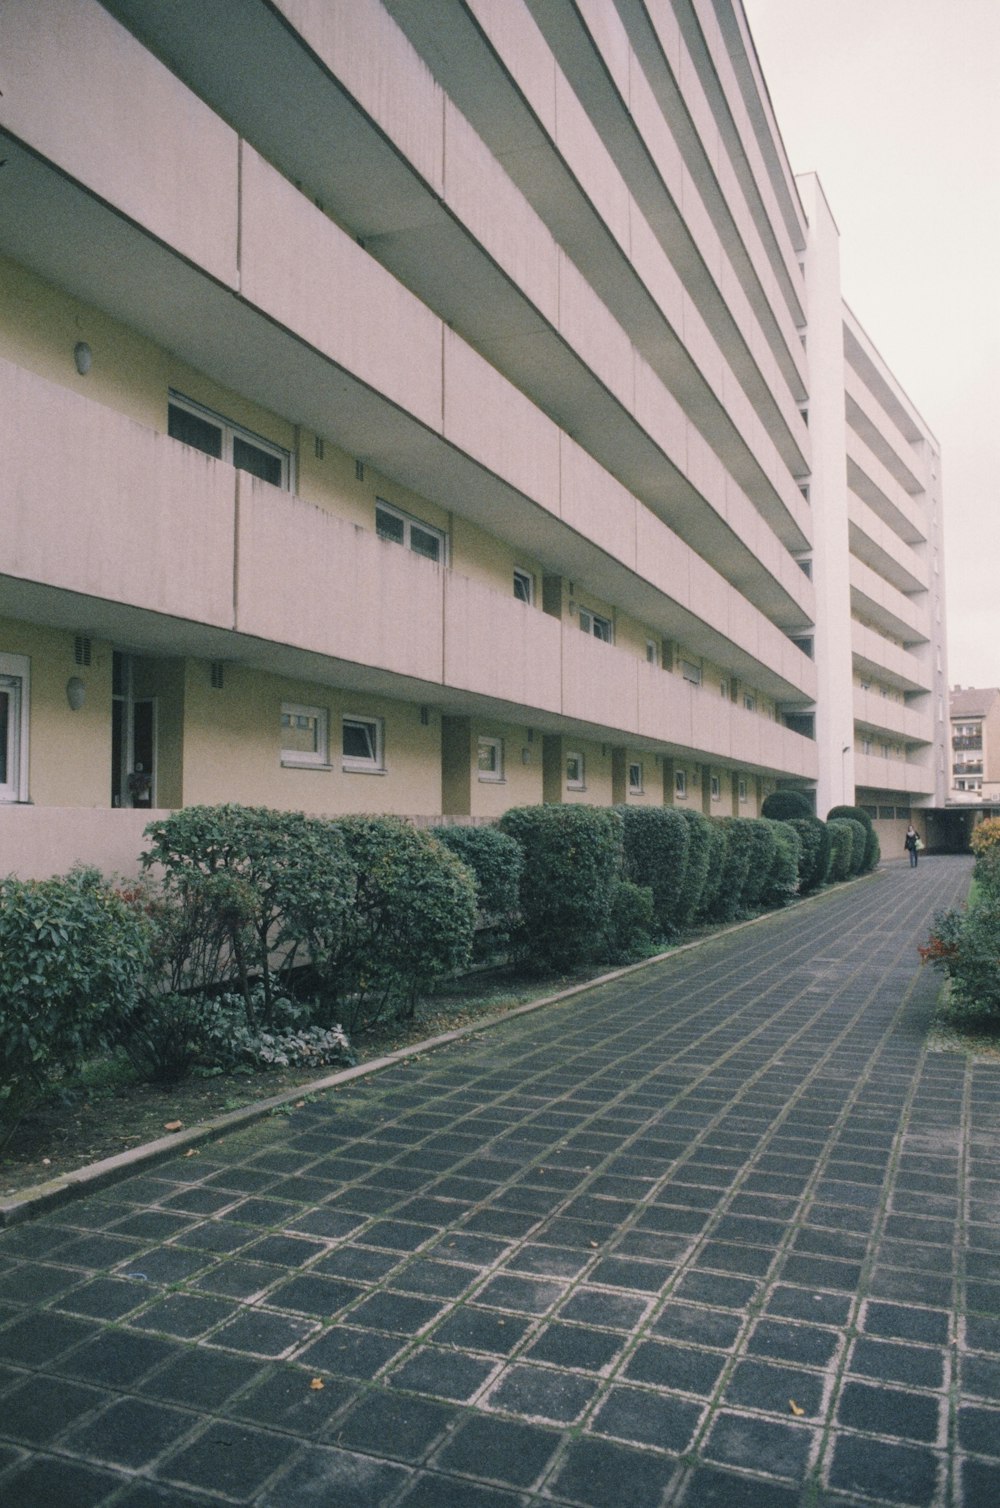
[(279, 885), (715, 869), (728, 902), (230, 1042), (841, 848), (871, 855), (986, 835), (762, 849), (631, 923), (967, 946), (783, 878), (495, 860), (814, 857), (410, 923), (701, 840), (987, 871), (784, 806), (71, 953), (656, 844), (572, 864), (859, 845)]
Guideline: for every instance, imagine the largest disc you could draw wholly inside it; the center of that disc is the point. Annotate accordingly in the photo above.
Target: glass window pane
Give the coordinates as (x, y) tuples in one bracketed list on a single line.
[(300, 734), (388, 526), (249, 457), (359, 740), (489, 757), (6, 727), (522, 586), (424, 543), (194, 430)]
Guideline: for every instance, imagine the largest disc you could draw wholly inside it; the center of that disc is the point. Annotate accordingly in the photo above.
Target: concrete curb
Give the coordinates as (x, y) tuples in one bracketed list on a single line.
[(39, 1198)]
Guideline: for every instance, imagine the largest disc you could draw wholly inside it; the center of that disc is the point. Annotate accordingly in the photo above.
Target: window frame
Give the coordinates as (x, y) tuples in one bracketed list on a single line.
[(15, 677), (635, 782), (715, 787), (409, 522), (594, 622), (579, 781), (681, 784), (527, 579), (494, 776), (691, 672), (749, 702), (652, 653), (741, 789), (230, 430), (297, 758), (357, 764)]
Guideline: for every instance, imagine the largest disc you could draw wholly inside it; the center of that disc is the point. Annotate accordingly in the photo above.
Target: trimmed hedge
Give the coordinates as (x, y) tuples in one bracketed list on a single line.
[(842, 841), (762, 852), (699, 856), (814, 857), (655, 844), (716, 865), (496, 862), (872, 852), (572, 865), (734, 873), (784, 806), (783, 879)]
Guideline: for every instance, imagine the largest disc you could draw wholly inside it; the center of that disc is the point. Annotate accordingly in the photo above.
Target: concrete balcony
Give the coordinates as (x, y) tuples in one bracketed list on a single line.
[(879, 547), (881, 660), (882, 435), (872, 773), (881, 714), (875, 598), (870, 480)]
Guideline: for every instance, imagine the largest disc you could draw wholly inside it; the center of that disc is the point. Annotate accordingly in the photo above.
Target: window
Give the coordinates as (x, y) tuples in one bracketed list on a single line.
[(524, 586), (749, 702), (741, 790), (304, 735), (575, 772), (490, 759), (216, 436), (691, 672), (593, 623), (866, 745), (680, 783), (400, 529), (724, 688), (362, 744), (716, 788), (652, 653), (13, 727), (635, 779)]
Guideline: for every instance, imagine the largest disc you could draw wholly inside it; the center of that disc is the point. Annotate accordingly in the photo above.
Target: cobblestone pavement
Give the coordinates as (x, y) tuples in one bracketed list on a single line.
[(721, 1232)]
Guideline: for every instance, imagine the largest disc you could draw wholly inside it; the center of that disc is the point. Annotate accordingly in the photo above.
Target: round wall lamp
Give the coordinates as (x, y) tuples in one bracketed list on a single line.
[(76, 693), (83, 356)]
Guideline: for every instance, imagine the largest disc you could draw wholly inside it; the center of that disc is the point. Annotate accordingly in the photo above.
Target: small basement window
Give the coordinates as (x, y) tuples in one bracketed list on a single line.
[(362, 744), (304, 735)]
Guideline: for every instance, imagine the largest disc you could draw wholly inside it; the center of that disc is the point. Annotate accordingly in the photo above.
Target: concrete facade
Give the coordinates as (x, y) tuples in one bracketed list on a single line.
[(974, 744), (435, 410)]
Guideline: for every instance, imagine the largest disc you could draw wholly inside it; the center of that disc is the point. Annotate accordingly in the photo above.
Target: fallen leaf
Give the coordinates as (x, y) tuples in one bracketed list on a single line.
[(299, 1104), (593, 1243), (172, 1125), (191, 1152), (795, 1408), (317, 1384)]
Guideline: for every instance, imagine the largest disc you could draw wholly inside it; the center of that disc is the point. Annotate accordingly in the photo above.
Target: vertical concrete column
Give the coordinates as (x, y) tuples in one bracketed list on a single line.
[(552, 768), (619, 776), (456, 766)]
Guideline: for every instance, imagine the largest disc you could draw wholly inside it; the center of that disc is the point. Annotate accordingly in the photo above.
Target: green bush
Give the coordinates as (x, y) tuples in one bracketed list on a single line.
[(410, 924), (785, 806), (279, 884), (714, 871), (495, 860), (656, 844), (967, 946), (762, 851), (985, 835), (572, 865), (701, 840), (869, 859), (814, 857), (631, 924), (987, 872), (841, 848), (783, 878), (728, 901), (859, 845), (71, 953)]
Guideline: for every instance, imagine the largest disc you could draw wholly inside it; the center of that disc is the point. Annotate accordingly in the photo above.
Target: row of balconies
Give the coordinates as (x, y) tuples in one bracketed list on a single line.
[(872, 710), (155, 544), (882, 436), (878, 659), (874, 773), (881, 549), (312, 281), (871, 481), (881, 603)]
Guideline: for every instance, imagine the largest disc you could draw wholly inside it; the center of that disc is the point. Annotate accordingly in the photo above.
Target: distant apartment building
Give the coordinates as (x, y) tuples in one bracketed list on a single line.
[(975, 744), (436, 408)]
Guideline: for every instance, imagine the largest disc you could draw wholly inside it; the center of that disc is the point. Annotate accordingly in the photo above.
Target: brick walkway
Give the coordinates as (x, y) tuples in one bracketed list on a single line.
[(720, 1233)]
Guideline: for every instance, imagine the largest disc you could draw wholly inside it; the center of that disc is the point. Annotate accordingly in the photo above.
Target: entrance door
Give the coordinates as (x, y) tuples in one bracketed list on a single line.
[(133, 739)]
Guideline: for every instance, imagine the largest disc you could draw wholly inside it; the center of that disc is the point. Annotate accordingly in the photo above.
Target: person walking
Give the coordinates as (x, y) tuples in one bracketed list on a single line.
[(910, 844)]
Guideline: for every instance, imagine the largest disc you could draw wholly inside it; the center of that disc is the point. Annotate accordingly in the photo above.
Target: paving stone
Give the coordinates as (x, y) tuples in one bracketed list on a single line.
[(773, 1389), (742, 1440), (890, 1411), (231, 1454), (200, 1378), (541, 1393), (919, 1366), (37, 1410), (595, 1472), (684, 1369), (906, 1474), (718, 1489), (499, 1450), (394, 1424), (453, 1374), (645, 1416), (131, 1433), (980, 1483), (47, 1480)]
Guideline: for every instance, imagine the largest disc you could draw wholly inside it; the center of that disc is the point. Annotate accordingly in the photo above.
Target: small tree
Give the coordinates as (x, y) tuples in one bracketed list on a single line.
[(985, 836)]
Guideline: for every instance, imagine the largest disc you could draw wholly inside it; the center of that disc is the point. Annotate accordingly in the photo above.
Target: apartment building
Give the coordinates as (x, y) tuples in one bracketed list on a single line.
[(433, 408), (975, 744)]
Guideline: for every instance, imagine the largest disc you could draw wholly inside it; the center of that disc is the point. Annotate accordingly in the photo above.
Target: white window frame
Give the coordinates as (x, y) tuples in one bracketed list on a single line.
[(15, 679), (681, 784), (577, 782), (374, 763), (231, 431), (715, 787), (597, 625), (741, 789), (410, 522), (526, 581), (635, 785), (494, 746), (298, 758), (652, 652), (691, 672), (749, 702)]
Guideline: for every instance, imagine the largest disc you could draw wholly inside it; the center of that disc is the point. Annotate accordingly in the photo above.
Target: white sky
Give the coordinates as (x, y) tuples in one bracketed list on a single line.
[(896, 105)]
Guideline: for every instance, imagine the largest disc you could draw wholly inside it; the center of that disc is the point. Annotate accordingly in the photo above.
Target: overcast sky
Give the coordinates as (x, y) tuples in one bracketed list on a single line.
[(896, 105)]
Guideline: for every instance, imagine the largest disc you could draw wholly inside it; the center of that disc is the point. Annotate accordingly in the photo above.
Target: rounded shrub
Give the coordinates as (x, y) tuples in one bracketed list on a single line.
[(814, 856), (699, 856), (987, 872), (714, 871), (762, 848), (872, 853), (71, 955), (966, 944), (728, 902), (985, 835), (783, 878), (631, 925), (656, 841), (572, 865), (783, 806), (496, 862), (841, 848)]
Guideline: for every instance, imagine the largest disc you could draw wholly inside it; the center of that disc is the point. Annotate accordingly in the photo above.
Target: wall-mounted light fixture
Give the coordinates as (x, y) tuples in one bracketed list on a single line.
[(83, 356), (76, 692)]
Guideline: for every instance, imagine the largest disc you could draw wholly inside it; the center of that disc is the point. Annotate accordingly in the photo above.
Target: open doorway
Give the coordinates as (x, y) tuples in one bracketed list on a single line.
[(133, 738)]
